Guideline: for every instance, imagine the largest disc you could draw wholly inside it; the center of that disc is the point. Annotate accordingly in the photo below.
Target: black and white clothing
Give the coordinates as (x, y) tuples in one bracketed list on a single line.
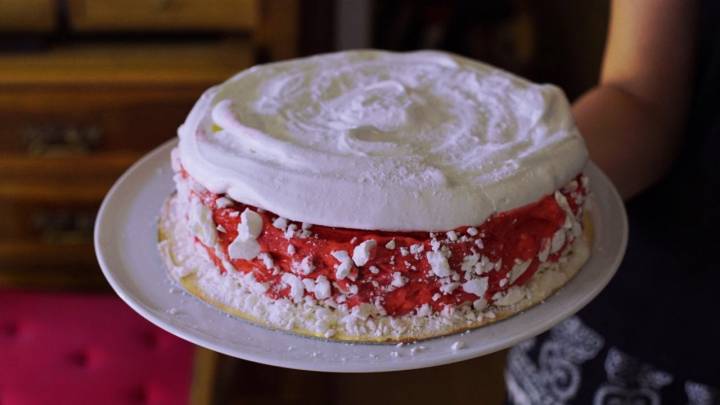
[(653, 335)]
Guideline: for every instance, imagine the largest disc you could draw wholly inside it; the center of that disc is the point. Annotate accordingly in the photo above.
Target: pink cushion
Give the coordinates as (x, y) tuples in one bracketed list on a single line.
[(87, 349)]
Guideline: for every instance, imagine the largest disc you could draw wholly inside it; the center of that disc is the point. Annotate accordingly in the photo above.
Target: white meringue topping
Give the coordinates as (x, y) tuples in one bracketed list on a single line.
[(377, 140)]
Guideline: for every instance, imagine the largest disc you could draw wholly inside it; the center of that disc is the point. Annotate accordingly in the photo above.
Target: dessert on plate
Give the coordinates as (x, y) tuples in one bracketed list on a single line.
[(376, 196)]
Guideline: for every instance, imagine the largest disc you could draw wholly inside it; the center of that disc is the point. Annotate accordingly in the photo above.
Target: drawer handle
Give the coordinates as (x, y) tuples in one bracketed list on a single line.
[(61, 140), (64, 226), (163, 4)]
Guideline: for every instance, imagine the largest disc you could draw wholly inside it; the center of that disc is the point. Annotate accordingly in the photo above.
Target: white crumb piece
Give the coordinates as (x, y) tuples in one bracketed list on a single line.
[(309, 284), (306, 226), (484, 266), (290, 348), (417, 349), (404, 251), (562, 201), (438, 263), (469, 262), (343, 268), (353, 289), (354, 239), (434, 245), (306, 265), (544, 250), (503, 282), (297, 288), (452, 236), (362, 252), (226, 264), (363, 311), (374, 270), (576, 229), (234, 214), (449, 287), (280, 223), (291, 249), (558, 240), (479, 243), (250, 225), (519, 269), (394, 354), (221, 228), (458, 345), (510, 297), (399, 345), (201, 222), (329, 333), (223, 202), (398, 280), (417, 248), (172, 311), (472, 231), (424, 310), (243, 249), (390, 245), (322, 288), (479, 304), (290, 231), (477, 286), (267, 260), (436, 296)]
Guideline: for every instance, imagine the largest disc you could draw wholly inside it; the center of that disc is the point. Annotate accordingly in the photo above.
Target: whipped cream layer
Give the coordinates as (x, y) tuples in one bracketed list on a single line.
[(375, 140)]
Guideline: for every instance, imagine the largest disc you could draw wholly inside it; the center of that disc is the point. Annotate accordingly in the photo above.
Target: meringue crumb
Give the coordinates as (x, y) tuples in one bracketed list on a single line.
[(458, 345)]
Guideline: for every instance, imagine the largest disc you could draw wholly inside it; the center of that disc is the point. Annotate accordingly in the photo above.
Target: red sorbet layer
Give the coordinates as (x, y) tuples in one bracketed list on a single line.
[(507, 236)]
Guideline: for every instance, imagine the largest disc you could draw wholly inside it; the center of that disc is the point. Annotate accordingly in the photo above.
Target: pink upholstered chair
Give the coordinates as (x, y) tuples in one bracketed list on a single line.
[(61, 348)]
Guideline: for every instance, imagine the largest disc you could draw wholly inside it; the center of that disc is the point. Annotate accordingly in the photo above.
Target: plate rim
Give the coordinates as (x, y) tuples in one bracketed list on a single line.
[(138, 168)]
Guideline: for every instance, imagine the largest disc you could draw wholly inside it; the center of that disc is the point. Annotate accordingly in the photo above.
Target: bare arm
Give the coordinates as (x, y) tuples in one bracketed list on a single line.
[(632, 120)]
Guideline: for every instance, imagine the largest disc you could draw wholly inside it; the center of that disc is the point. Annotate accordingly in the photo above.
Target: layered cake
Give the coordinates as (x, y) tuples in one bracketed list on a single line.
[(376, 196)]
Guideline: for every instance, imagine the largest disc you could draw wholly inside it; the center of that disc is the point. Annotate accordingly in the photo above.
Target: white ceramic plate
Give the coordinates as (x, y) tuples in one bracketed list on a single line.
[(125, 243)]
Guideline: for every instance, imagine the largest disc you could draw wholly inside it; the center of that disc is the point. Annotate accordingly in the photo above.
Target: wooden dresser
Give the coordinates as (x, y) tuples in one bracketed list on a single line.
[(110, 80)]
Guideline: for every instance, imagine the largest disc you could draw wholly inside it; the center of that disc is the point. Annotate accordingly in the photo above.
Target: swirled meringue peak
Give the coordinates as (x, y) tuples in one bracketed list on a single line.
[(419, 141)]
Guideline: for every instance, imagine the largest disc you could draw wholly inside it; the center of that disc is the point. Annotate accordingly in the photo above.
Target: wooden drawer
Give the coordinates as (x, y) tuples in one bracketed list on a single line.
[(47, 222), (211, 15), (66, 121), (61, 180), (47, 213), (49, 265), (27, 15), (146, 65), (93, 97)]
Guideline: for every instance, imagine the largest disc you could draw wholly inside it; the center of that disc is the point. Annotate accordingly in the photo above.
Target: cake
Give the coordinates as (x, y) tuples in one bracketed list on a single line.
[(376, 196)]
